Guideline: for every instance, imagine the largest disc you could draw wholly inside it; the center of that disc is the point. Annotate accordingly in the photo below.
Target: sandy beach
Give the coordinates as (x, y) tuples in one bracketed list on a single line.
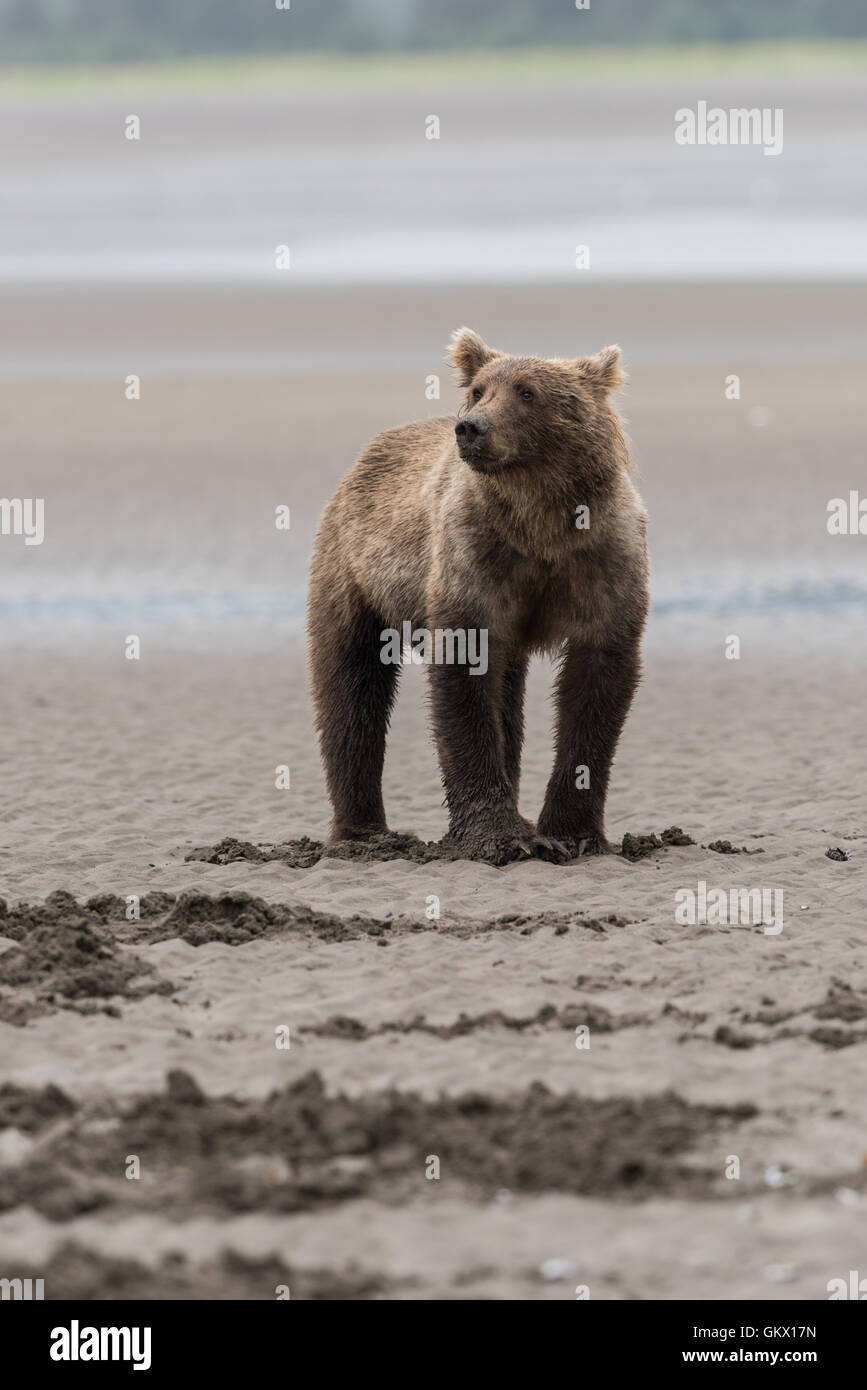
[(711, 1141), (759, 1038), (117, 770)]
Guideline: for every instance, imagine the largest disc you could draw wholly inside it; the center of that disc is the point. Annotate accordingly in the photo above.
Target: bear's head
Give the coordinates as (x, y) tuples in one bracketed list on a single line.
[(534, 412)]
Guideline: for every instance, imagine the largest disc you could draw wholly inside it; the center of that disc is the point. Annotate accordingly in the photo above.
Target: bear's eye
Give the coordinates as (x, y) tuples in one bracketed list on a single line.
[(478, 393), (525, 393)]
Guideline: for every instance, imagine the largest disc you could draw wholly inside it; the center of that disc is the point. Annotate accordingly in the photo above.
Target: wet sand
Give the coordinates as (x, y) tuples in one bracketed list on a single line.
[(415, 1035), (705, 1041)]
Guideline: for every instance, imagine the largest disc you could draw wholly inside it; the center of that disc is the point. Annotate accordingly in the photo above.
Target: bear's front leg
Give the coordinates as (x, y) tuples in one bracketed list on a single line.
[(483, 818), (594, 689)]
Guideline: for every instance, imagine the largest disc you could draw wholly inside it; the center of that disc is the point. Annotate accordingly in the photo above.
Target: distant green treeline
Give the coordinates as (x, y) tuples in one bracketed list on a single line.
[(139, 30)]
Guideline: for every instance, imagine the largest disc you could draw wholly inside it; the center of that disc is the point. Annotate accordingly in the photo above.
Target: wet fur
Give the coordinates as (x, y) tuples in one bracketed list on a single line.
[(417, 532)]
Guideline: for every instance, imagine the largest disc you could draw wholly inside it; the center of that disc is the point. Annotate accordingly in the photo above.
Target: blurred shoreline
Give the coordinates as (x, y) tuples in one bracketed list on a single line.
[(320, 68)]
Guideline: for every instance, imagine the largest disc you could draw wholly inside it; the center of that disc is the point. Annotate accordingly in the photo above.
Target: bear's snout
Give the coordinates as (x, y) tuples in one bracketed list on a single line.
[(470, 432)]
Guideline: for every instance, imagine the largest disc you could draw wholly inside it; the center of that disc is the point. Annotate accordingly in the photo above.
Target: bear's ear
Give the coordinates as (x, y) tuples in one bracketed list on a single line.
[(603, 371), (469, 353)]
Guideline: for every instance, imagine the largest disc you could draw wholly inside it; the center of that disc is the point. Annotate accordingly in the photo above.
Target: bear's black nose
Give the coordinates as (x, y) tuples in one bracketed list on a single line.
[(470, 431)]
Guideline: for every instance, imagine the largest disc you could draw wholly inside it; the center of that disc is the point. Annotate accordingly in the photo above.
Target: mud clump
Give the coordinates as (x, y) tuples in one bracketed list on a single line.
[(297, 854), (65, 957), (732, 1037), (675, 836), (835, 1038), (30, 1110), (726, 847), (233, 917), (300, 1149), (593, 1016), (236, 917), (380, 848), (527, 923), (78, 953), (842, 1003), (635, 847), (304, 853), (75, 1272)]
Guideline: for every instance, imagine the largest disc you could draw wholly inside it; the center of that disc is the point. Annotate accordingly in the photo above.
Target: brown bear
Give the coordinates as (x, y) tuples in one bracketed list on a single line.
[(518, 521)]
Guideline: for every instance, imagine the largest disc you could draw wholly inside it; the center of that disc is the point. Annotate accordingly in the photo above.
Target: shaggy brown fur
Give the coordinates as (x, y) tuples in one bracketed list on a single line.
[(471, 523)]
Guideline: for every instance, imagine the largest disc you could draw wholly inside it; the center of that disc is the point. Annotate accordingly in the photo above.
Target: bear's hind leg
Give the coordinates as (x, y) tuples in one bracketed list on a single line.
[(594, 690)]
